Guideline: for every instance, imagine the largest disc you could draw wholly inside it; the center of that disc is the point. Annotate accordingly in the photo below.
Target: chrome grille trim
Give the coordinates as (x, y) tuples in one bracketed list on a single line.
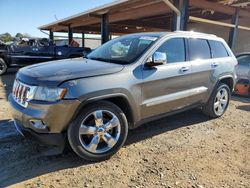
[(22, 92)]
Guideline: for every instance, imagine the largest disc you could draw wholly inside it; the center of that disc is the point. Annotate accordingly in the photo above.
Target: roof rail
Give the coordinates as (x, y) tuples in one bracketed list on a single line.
[(194, 32)]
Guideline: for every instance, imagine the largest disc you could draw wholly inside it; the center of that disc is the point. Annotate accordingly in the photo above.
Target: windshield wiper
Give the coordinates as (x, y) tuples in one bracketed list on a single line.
[(99, 59), (109, 60)]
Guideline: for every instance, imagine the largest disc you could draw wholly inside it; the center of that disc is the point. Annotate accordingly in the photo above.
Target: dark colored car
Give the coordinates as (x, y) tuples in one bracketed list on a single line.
[(124, 83), (31, 51)]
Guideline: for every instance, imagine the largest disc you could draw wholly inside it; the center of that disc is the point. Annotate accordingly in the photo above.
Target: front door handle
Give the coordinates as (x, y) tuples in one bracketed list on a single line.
[(184, 69), (214, 65)]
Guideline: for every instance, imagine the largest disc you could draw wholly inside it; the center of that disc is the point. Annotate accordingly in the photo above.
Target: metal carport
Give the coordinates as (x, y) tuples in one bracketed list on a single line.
[(130, 16)]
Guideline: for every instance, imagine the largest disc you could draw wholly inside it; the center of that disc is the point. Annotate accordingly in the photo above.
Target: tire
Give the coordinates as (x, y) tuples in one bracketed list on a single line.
[(92, 141), (218, 103), (3, 67)]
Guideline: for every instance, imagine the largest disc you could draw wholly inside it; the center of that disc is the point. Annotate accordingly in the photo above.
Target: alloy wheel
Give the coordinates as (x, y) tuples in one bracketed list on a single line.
[(221, 101), (99, 131)]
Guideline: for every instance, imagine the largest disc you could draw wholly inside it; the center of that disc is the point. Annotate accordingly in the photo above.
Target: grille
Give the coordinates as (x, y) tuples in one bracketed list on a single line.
[(22, 92)]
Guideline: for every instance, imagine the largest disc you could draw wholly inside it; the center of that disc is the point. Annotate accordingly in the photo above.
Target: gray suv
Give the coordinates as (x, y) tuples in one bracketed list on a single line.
[(133, 79)]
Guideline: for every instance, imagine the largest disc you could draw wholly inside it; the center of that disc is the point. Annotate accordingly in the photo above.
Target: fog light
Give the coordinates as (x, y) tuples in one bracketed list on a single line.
[(39, 124)]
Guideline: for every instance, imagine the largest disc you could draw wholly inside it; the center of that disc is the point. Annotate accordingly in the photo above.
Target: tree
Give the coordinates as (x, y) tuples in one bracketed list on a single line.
[(19, 35), (26, 35), (6, 37)]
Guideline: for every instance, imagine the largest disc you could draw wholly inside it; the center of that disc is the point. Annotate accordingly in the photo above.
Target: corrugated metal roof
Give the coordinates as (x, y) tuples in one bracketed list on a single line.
[(144, 15)]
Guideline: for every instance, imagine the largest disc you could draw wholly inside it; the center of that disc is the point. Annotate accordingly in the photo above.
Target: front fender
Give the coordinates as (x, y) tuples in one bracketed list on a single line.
[(108, 95)]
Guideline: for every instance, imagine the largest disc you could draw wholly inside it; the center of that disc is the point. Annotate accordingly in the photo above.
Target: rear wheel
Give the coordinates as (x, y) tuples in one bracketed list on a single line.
[(3, 66), (218, 102), (98, 132)]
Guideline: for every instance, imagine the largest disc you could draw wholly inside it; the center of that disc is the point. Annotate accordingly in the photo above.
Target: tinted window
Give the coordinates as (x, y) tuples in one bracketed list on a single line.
[(244, 60), (174, 49), (199, 49), (24, 43), (43, 42), (217, 49)]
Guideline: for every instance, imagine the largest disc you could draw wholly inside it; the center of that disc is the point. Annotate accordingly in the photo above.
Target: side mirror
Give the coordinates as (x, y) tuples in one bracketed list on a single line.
[(158, 58)]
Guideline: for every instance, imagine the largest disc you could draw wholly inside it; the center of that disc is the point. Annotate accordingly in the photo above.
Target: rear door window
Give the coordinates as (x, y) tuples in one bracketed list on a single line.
[(174, 50), (217, 49), (198, 49)]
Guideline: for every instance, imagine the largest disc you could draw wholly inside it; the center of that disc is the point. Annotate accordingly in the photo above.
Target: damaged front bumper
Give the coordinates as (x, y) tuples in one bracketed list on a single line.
[(44, 122)]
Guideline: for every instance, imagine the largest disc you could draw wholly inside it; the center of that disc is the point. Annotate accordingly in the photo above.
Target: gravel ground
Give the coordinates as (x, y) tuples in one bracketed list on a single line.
[(185, 150)]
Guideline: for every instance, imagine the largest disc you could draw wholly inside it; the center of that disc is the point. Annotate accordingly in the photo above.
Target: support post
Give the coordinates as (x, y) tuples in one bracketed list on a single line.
[(176, 21), (233, 30), (174, 16), (51, 36), (83, 40), (70, 35), (105, 28), (184, 15)]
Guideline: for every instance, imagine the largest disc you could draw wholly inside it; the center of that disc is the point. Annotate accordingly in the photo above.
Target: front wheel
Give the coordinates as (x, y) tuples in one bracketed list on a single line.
[(98, 132), (218, 102), (3, 66)]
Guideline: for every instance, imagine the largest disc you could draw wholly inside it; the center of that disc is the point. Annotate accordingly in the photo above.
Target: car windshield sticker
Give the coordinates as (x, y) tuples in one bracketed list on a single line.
[(148, 38)]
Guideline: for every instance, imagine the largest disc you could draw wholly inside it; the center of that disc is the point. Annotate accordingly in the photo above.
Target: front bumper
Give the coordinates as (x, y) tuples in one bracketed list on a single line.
[(55, 116), (53, 139)]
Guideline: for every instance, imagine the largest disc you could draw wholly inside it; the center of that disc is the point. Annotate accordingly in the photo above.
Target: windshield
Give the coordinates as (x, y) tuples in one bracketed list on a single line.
[(123, 50)]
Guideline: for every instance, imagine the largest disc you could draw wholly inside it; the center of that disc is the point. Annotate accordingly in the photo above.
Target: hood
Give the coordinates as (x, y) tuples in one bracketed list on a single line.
[(55, 72)]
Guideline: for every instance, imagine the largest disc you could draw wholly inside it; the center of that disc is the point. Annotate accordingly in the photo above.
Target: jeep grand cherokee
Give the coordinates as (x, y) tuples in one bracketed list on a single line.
[(124, 83)]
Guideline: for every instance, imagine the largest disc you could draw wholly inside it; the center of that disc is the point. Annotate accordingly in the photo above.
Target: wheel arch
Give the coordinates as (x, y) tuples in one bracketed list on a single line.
[(228, 80), (120, 100)]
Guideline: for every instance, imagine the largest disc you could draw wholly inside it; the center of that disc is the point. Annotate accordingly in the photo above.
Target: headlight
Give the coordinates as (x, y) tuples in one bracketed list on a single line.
[(49, 94)]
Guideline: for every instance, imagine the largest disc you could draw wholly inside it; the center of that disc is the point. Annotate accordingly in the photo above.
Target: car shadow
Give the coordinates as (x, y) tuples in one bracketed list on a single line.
[(21, 159), (239, 98), (151, 129), (244, 107)]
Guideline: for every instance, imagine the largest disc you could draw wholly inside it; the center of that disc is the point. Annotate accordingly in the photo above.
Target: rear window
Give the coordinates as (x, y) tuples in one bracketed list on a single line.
[(198, 49), (218, 49)]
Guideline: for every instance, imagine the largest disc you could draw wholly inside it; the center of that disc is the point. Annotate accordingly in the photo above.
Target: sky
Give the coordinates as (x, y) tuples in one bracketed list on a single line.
[(25, 16)]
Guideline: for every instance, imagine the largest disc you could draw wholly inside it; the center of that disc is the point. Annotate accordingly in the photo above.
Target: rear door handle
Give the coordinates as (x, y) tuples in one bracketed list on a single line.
[(214, 65), (184, 69)]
